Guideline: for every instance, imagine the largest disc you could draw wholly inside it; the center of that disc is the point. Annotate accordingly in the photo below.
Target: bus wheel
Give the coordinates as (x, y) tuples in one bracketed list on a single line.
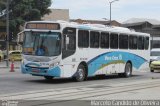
[(128, 70), (81, 73), (48, 77)]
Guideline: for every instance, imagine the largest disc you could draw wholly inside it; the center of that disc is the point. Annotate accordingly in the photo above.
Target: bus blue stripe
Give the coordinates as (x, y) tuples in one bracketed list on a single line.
[(110, 57)]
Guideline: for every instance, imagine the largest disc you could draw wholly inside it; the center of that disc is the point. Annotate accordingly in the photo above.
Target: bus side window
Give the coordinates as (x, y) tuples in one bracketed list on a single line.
[(113, 41), (140, 42), (94, 39), (146, 44), (104, 40), (132, 42), (83, 38), (123, 41)]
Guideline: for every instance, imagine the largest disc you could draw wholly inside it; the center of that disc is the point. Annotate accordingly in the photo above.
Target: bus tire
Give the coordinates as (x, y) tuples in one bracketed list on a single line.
[(81, 73), (128, 70), (48, 77), (152, 71)]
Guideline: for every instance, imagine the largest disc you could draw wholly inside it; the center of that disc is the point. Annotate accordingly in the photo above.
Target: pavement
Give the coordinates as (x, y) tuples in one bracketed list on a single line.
[(8, 71), (4, 69), (16, 64)]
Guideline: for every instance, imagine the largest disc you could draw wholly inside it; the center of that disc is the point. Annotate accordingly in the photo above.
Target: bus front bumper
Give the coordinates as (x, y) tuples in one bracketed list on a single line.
[(39, 71)]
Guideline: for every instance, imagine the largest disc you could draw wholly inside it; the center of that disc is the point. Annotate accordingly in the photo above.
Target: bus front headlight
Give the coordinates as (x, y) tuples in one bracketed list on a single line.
[(53, 65)]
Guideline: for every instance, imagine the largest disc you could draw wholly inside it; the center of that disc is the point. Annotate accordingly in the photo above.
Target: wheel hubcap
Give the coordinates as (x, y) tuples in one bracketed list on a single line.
[(128, 71), (80, 73)]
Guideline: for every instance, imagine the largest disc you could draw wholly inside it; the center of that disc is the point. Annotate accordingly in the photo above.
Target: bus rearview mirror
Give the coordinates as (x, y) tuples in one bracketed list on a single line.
[(67, 40), (20, 37)]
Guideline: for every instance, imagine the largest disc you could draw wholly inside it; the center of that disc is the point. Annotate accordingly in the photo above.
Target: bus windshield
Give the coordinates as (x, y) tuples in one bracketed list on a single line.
[(42, 43)]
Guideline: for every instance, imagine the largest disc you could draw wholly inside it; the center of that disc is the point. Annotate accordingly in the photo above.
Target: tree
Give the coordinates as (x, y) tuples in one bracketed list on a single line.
[(21, 11), (2, 6)]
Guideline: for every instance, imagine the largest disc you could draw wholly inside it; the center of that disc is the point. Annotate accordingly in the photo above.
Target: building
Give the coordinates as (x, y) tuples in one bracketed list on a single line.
[(57, 14), (103, 22), (147, 26)]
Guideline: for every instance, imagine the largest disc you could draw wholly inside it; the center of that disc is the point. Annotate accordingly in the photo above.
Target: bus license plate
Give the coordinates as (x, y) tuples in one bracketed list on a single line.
[(35, 70)]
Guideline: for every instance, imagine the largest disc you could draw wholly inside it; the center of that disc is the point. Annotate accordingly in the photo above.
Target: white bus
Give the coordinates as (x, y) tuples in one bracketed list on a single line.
[(70, 50)]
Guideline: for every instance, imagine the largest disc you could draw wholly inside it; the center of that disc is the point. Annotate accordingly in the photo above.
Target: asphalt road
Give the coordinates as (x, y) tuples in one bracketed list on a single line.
[(27, 88), (14, 82)]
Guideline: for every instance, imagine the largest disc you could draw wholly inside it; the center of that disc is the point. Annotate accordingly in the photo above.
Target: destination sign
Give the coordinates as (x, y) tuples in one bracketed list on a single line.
[(47, 26)]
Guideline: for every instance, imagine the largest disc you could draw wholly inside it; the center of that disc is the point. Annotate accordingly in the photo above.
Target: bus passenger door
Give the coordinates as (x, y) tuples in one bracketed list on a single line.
[(69, 42), (68, 51)]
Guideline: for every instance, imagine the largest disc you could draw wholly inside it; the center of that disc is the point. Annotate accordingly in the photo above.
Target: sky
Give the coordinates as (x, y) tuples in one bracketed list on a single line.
[(122, 10)]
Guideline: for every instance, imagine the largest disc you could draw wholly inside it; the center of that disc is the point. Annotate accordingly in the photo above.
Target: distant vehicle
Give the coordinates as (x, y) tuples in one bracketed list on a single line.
[(155, 54), (15, 55), (155, 65), (1, 55), (82, 50)]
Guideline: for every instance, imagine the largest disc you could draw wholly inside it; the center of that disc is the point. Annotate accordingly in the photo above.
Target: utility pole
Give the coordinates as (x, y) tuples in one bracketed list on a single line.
[(110, 20), (7, 29), (110, 4)]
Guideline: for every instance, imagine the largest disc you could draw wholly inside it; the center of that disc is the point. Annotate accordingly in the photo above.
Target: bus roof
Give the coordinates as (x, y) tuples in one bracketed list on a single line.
[(98, 27)]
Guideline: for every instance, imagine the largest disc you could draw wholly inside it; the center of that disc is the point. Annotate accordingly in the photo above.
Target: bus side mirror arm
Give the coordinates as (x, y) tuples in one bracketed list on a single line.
[(20, 37), (67, 41)]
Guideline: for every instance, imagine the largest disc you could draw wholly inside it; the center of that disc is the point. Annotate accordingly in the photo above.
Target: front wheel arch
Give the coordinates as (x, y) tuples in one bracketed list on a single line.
[(86, 67), (82, 72)]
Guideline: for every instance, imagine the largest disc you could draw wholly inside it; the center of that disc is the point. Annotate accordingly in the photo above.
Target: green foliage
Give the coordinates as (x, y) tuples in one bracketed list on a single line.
[(24, 10), (2, 5)]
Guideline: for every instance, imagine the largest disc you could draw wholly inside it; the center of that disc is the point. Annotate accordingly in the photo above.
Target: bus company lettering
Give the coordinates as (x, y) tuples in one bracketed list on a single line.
[(114, 57)]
